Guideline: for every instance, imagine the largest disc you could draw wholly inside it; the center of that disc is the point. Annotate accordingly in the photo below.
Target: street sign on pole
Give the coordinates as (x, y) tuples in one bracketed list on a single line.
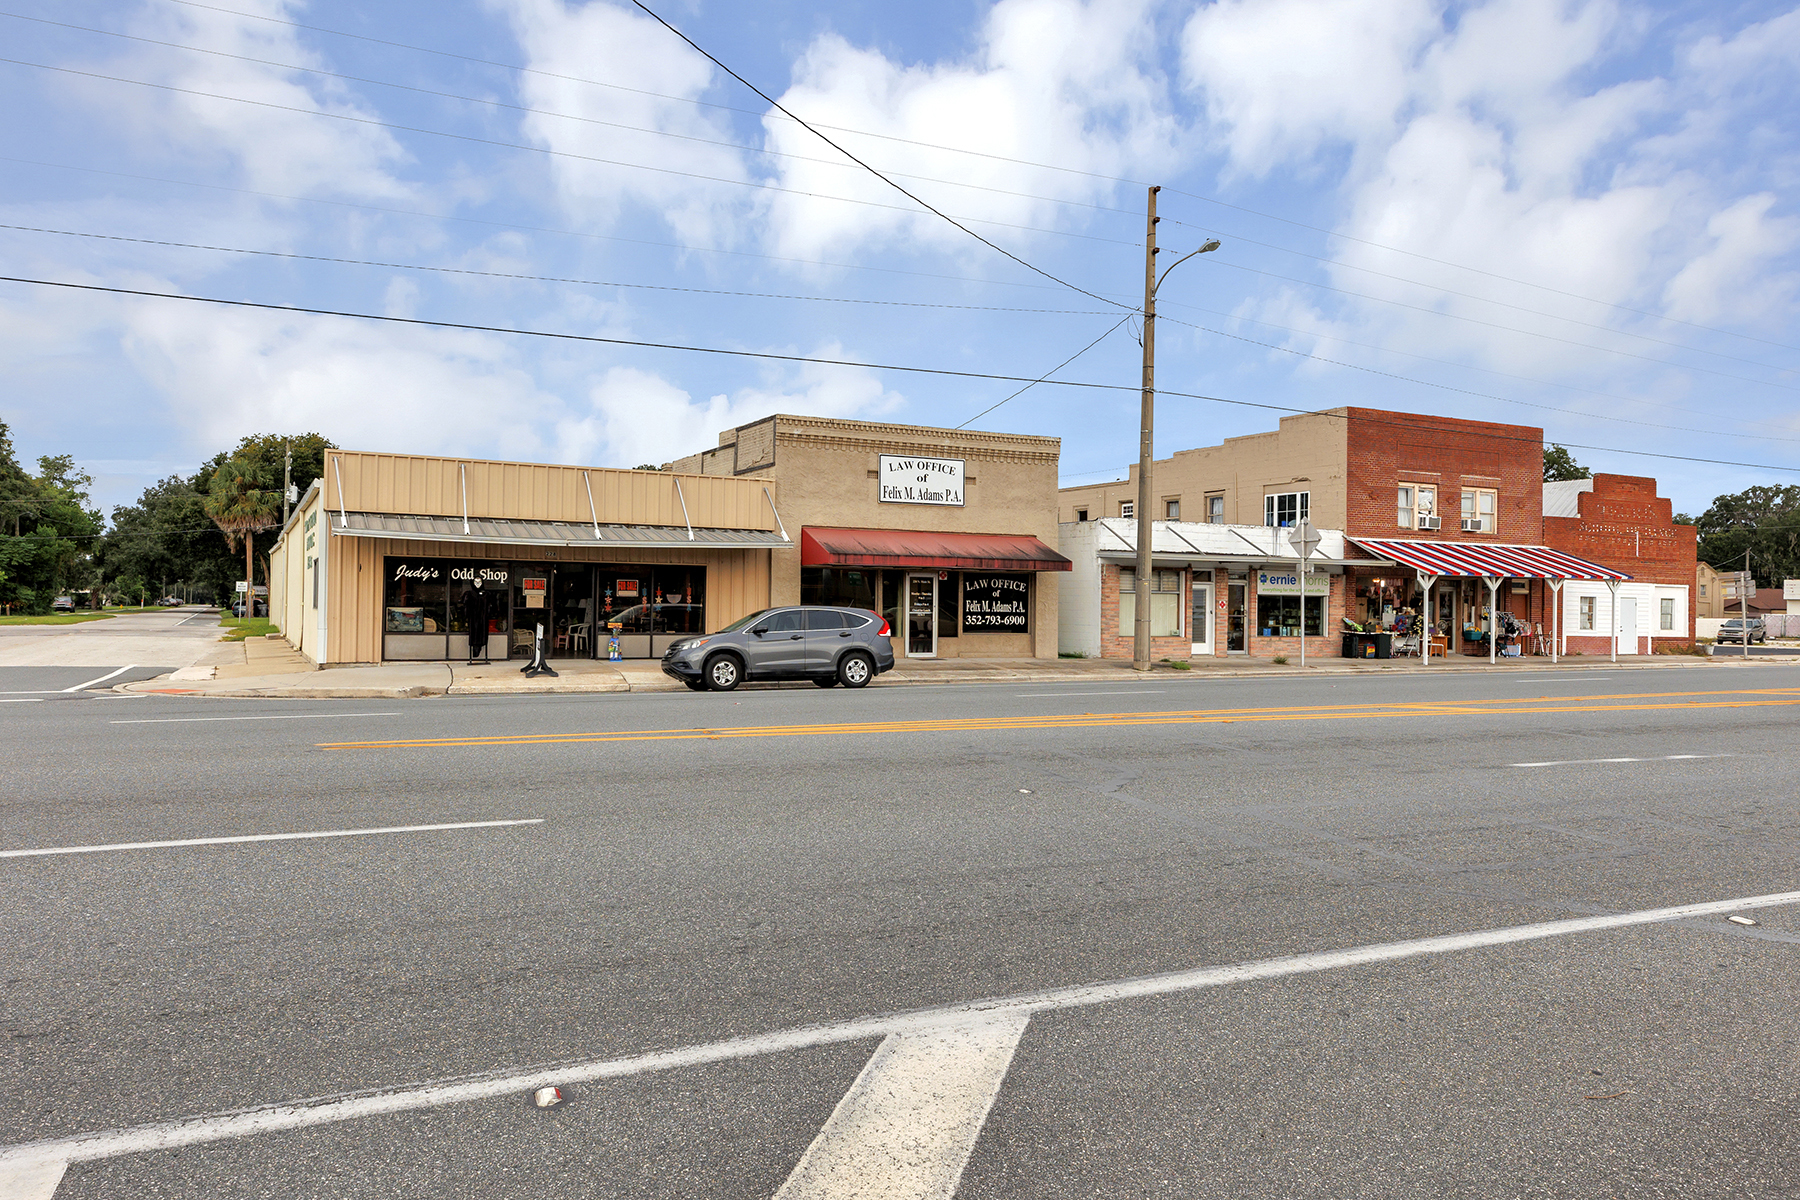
[(1305, 540), (243, 586)]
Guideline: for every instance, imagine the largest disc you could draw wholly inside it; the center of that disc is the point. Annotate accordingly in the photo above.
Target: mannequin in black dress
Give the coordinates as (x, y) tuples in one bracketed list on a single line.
[(475, 620)]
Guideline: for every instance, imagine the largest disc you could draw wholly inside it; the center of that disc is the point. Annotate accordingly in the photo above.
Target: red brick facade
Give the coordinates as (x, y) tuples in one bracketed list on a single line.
[(1625, 525), (1389, 449)]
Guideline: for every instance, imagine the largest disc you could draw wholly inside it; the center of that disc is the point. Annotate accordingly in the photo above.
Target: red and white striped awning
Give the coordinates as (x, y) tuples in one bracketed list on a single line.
[(1487, 559)]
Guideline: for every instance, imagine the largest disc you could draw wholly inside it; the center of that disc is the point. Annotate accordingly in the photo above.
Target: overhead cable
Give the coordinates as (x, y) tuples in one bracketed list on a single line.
[(771, 356)]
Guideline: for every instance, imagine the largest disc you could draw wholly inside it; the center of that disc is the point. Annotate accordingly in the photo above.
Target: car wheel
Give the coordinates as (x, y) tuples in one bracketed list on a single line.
[(855, 670), (695, 685), (723, 672)]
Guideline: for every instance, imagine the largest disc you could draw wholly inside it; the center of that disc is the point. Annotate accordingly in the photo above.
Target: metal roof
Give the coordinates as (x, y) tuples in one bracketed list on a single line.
[(1195, 541), (1487, 559), (551, 533), (1562, 498)]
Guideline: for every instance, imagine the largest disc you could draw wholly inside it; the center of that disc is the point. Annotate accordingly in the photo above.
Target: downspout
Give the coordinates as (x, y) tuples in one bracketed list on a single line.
[(343, 517), (684, 511), (778, 525), (592, 511), (463, 471)]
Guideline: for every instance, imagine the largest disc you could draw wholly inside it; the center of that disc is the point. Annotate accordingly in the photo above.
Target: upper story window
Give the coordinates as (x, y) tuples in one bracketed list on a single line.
[(1282, 509), (1081, 514), (1703, 591), (1215, 510), (1127, 508), (1478, 507), (1171, 510), (1418, 506)]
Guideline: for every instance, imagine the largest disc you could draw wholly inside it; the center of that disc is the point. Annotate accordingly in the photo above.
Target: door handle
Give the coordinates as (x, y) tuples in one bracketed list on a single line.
[(845, 633), (794, 638)]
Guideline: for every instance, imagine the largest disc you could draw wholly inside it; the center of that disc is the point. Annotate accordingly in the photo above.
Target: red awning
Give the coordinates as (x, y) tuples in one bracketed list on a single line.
[(821, 547), (1483, 558)]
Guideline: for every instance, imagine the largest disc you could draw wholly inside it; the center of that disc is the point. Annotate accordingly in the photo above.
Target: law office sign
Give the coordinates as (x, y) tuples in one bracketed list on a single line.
[(908, 480)]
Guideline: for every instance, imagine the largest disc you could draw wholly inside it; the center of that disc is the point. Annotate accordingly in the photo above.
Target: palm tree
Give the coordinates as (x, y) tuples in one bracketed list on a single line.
[(239, 505)]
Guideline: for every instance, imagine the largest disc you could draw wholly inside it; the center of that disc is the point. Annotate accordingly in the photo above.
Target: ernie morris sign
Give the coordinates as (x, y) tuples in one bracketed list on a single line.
[(996, 603), (921, 480)]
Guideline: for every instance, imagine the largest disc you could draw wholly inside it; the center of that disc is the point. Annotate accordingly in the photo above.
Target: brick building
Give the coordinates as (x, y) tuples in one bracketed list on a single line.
[(1619, 521), (1470, 492)]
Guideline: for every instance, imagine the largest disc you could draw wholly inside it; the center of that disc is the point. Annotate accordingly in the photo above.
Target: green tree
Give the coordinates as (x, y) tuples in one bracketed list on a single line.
[(1765, 521), (1560, 466), (47, 530), (239, 504)]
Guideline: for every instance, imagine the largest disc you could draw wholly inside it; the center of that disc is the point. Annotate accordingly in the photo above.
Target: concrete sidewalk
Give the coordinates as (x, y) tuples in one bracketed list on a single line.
[(275, 671)]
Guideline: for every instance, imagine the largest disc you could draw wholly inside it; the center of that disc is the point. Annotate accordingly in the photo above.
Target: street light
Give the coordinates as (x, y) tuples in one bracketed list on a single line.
[(1140, 651)]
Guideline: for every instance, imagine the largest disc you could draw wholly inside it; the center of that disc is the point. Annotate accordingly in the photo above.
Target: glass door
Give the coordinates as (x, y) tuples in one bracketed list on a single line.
[(1202, 618), (921, 616), (1237, 624)]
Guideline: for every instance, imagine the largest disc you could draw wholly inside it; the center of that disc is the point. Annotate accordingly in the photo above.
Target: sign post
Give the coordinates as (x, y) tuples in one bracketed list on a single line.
[(1305, 540)]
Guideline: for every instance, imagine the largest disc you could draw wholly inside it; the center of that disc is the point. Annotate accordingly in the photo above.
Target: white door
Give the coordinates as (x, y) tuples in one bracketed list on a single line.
[(921, 616), (1201, 618), (1628, 626)]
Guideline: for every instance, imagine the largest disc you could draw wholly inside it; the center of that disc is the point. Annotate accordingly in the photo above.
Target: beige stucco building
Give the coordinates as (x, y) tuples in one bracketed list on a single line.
[(947, 533), (1228, 484), (410, 557)]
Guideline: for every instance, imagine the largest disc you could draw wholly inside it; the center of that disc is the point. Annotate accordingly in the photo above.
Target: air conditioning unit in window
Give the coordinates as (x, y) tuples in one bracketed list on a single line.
[(1431, 522), (1471, 524)]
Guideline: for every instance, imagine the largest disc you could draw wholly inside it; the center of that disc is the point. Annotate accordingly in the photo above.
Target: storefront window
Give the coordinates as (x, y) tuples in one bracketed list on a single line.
[(416, 596), (1587, 612), (1165, 603), (948, 618), (1668, 614), (995, 603), (1279, 616), (652, 599)]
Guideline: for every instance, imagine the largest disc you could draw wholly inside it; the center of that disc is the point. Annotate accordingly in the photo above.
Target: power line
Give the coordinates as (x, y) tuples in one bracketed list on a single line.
[(770, 356), (1205, 199), (757, 185), (1053, 370), (1536, 312), (542, 112), (575, 233), (779, 107), (655, 287), (1326, 287)]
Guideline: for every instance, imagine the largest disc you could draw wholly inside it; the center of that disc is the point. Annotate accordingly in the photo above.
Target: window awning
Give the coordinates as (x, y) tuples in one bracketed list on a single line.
[(823, 547), (551, 533), (1487, 559)]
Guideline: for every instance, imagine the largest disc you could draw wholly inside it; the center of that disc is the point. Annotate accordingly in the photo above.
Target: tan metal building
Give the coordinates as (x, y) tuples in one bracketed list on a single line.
[(948, 533), (407, 557)]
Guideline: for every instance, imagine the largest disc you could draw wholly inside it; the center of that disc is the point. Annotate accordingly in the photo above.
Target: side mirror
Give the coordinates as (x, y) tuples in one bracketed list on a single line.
[(760, 630)]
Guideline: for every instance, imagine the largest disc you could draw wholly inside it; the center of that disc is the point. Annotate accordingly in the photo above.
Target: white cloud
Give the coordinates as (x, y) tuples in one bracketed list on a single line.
[(227, 373), (283, 149), (603, 41), (1282, 77), (1734, 279), (1053, 81), (637, 416)]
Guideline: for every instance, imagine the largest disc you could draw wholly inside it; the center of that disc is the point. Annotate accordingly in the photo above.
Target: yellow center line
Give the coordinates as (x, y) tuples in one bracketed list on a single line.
[(1766, 697)]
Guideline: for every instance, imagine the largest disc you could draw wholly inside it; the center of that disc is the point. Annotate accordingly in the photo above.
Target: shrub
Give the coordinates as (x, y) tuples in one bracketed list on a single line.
[(1279, 660)]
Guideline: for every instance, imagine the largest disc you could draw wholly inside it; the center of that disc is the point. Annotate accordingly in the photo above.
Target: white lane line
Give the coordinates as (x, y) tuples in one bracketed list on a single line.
[(31, 1180), (102, 679), (906, 1127), (34, 700), (264, 717), (1581, 762), (1126, 692), (263, 837), (327, 1110)]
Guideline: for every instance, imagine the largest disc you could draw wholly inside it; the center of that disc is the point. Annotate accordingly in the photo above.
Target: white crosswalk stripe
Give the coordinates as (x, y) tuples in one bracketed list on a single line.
[(906, 1127)]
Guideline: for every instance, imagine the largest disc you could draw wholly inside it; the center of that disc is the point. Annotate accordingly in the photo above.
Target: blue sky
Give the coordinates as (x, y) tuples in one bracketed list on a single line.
[(1574, 215)]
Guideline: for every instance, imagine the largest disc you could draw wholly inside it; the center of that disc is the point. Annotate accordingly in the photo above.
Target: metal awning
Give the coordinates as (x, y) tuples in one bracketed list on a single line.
[(552, 533), (1486, 559), (823, 547)]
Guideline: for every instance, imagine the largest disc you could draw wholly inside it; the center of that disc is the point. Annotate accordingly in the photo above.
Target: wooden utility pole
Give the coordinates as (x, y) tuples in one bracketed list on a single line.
[(1140, 647)]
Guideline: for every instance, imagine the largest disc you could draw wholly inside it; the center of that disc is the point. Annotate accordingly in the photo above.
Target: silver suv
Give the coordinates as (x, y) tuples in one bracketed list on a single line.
[(826, 645), (1734, 631)]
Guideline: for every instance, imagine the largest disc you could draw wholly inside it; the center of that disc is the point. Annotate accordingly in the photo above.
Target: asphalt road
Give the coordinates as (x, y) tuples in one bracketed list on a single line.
[(786, 865)]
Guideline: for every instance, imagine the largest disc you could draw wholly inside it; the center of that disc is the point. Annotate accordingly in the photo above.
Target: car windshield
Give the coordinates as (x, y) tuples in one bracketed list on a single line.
[(743, 623)]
